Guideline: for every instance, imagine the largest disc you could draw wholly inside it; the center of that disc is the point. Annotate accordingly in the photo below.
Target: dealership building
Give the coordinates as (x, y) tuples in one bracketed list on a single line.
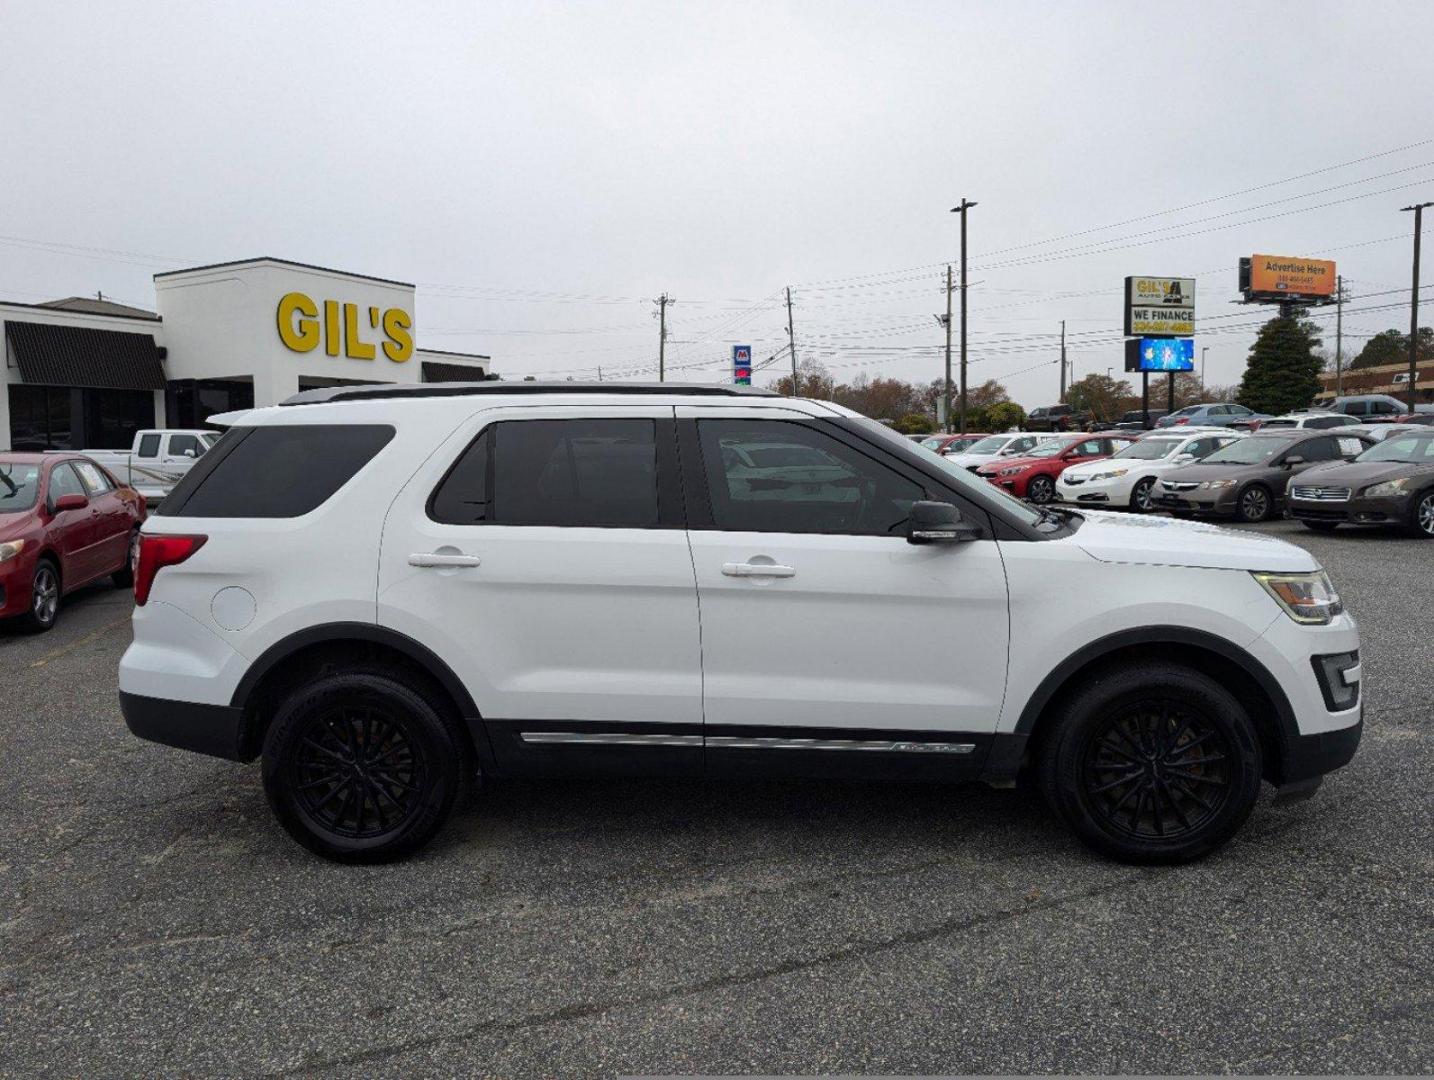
[(82, 373)]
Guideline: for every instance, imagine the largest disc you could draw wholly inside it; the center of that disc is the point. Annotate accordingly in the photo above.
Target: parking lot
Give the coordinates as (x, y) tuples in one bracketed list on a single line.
[(156, 920)]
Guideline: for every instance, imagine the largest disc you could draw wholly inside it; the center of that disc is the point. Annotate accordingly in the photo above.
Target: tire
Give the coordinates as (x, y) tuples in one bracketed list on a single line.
[(44, 597), (1140, 497), (1041, 489), (1188, 800), (1321, 526), (362, 735), (1421, 516), (1255, 504), (124, 577)]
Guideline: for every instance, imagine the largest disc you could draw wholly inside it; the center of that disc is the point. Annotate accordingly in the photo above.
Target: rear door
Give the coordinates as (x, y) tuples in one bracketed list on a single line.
[(818, 616), (542, 554), (111, 518)]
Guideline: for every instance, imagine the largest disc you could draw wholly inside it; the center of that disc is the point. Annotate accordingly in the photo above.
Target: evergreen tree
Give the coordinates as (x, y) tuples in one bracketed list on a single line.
[(1283, 370)]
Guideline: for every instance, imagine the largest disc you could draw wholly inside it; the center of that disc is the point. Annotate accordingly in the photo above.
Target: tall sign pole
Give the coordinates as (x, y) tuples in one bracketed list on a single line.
[(1414, 306), (966, 204), (1339, 335)]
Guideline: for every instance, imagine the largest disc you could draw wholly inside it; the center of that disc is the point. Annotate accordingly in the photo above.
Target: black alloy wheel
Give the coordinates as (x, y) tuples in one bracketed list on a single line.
[(1041, 490), (1255, 504), (1142, 497), (357, 773), (361, 767), (1157, 771)]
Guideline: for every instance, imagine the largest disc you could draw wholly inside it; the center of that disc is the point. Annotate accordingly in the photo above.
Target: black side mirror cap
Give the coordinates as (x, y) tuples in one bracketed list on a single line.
[(939, 523)]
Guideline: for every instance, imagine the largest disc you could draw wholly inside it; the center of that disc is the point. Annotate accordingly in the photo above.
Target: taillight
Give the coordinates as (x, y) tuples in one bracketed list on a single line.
[(157, 552), (1183, 420)]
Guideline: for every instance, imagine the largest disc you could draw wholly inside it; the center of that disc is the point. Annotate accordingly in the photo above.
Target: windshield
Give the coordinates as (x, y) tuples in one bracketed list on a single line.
[(960, 478), (1149, 449), (992, 445), (19, 485), (933, 442), (1415, 449), (1247, 452), (1050, 449)]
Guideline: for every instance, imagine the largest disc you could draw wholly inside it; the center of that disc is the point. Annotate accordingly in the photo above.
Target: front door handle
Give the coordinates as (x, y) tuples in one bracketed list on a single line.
[(746, 569), (432, 559)]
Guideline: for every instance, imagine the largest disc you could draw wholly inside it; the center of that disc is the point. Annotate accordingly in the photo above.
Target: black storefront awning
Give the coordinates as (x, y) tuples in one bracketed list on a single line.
[(436, 371), (82, 356)]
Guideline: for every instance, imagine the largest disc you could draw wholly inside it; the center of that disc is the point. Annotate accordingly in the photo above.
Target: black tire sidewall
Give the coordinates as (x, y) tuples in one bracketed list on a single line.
[(123, 578), (1063, 758), (431, 735), (1415, 528)]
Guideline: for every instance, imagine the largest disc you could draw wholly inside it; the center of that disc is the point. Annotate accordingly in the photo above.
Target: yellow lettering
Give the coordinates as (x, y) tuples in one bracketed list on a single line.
[(331, 327), (299, 335), (396, 324), (355, 348)]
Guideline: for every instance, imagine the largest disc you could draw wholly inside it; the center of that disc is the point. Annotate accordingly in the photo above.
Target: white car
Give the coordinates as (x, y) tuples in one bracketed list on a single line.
[(1317, 419), (1010, 444), (526, 579), (1127, 478)]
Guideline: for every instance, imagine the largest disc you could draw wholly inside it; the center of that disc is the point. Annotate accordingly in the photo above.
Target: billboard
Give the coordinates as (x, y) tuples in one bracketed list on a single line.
[(1159, 306), (742, 365), (1285, 277)]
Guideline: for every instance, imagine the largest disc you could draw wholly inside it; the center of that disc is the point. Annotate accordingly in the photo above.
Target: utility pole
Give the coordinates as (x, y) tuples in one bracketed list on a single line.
[(1339, 336), (946, 391), (791, 341), (662, 302), (1063, 362), (966, 204), (1414, 305)]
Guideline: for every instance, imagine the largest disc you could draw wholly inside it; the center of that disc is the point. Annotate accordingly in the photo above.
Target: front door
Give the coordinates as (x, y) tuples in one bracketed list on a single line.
[(829, 642), (541, 553)]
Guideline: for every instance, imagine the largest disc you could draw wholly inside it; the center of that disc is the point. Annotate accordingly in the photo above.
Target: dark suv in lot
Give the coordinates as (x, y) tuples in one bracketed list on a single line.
[(1391, 483), (1248, 478), (1057, 418)]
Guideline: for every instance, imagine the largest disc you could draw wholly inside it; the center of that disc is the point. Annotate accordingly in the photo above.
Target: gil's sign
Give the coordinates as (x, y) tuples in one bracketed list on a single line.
[(302, 330), (1159, 307)]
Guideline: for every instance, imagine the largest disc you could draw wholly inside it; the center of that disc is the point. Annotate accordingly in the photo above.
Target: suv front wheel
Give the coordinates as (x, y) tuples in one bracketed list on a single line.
[(360, 768), (1152, 763)]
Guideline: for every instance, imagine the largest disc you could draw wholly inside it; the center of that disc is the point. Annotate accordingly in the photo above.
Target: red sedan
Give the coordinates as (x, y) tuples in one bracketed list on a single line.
[(64, 522), (1034, 476)]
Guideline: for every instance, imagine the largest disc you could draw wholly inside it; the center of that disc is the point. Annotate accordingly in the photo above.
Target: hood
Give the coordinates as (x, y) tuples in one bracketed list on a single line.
[(967, 460), (1107, 464), (1161, 541), (1358, 474), (1212, 472)]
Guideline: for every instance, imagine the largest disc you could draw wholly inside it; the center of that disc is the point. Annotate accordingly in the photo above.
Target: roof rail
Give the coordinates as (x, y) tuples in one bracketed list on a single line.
[(463, 389)]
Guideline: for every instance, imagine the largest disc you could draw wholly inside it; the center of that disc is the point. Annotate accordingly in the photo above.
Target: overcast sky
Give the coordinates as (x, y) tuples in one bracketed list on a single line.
[(543, 171)]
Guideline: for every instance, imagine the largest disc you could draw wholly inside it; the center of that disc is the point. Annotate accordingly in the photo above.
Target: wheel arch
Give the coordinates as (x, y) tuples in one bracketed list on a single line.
[(1238, 671), (338, 645)]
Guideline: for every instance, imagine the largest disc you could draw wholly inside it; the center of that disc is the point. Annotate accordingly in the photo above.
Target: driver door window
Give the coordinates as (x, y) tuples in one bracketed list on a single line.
[(782, 477)]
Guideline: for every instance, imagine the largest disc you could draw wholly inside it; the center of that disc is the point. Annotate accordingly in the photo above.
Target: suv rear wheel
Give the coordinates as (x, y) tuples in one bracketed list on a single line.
[(1152, 763), (360, 768)]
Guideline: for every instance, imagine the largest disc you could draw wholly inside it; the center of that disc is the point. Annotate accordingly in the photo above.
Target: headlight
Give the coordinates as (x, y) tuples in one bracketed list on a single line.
[(1389, 487), (1215, 484), (1108, 475), (1013, 470), (10, 549), (1306, 598)]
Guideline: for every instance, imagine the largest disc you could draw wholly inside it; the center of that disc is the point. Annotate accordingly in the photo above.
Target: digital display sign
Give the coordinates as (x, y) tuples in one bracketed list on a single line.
[(1167, 354)]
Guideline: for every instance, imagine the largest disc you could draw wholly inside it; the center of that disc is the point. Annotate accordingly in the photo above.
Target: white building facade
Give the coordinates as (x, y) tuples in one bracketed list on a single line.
[(87, 374)]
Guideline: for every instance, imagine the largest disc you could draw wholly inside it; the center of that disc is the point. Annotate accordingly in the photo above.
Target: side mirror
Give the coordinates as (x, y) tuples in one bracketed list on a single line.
[(938, 523), (1182, 459), (1293, 460), (71, 502), (188, 453)]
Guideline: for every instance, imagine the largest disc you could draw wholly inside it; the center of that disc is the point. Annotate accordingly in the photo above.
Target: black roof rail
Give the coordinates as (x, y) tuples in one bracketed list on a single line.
[(493, 386)]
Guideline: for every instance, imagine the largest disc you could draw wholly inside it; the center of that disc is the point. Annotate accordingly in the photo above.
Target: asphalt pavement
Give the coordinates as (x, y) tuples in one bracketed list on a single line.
[(154, 919)]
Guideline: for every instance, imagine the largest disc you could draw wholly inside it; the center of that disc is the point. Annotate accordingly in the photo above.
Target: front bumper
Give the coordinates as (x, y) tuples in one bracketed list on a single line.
[(1113, 492), (1311, 756), (1390, 510), (1218, 503)]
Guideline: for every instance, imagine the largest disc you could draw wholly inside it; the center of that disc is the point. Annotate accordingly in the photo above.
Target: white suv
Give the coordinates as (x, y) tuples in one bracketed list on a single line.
[(387, 592)]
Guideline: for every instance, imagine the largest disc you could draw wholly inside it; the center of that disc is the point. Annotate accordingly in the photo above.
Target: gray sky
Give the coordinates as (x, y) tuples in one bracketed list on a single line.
[(544, 170)]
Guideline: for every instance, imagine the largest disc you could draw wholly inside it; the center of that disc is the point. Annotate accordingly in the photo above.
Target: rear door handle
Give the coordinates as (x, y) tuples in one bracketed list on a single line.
[(431, 559), (746, 569)]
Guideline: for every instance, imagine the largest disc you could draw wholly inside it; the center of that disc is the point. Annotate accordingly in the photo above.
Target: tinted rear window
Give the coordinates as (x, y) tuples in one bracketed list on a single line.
[(275, 472)]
